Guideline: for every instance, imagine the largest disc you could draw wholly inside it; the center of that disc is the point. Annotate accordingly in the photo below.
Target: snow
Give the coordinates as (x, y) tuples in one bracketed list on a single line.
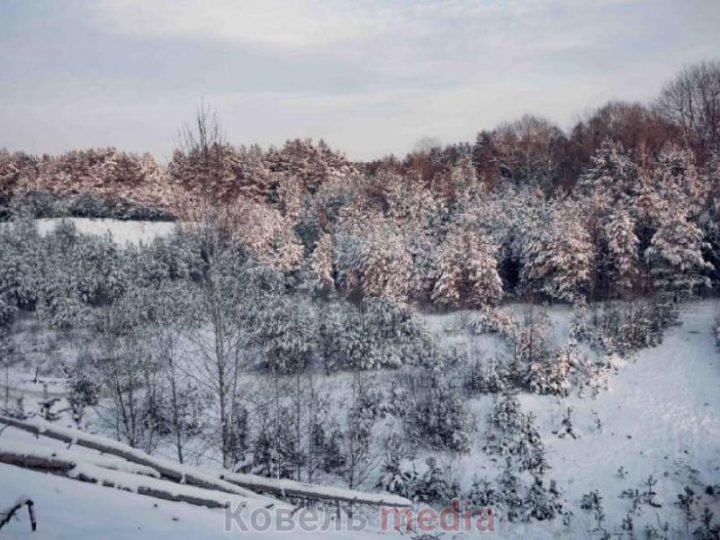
[(71, 509), (659, 415), (123, 232)]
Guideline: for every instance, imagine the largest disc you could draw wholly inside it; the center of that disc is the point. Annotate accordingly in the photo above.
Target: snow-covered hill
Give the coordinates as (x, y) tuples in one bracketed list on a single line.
[(657, 418)]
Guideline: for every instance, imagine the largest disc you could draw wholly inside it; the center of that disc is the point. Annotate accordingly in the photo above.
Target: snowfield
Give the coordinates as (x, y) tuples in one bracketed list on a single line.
[(660, 417), (123, 232)]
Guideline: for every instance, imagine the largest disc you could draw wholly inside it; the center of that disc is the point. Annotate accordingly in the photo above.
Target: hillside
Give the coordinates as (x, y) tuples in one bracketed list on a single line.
[(654, 417)]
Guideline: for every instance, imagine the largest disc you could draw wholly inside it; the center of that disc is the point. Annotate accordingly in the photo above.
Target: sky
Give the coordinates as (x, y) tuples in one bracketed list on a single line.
[(371, 77)]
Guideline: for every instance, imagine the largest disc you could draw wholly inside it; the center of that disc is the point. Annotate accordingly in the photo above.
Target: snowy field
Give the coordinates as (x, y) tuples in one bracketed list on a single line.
[(658, 417), (123, 232)]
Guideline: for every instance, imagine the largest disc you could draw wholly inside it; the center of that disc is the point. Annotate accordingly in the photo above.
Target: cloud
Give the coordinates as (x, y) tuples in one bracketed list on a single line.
[(316, 24), (274, 23)]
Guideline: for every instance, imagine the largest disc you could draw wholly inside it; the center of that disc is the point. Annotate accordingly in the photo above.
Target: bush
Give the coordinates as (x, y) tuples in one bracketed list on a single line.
[(435, 414), (486, 377), (512, 435), (628, 327)]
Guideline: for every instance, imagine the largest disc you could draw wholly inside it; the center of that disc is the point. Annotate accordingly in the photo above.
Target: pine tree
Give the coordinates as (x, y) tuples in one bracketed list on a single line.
[(677, 180), (675, 257), (386, 262), (559, 256), (321, 261), (621, 265), (467, 274), (551, 374), (612, 174)]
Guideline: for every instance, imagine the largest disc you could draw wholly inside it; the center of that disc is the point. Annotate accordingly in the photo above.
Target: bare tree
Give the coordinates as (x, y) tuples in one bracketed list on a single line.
[(692, 101), (529, 150), (131, 376), (220, 343), (166, 339)]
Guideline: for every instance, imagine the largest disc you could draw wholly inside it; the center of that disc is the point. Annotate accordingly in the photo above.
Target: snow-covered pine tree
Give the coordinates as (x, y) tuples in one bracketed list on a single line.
[(433, 486), (622, 264), (709, 219), (287, 331), (513, 436), (436, 416), (467, 274), (551, 374), (321, 261), (612, 174), (386, 262), (675, 257), (543, 502), (268, 235), (532, 340), (677, 180), (559, 256)]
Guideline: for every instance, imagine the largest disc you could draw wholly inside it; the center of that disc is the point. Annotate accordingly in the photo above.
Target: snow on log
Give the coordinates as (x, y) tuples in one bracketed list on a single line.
[(61, 456), (29, 461), (143, 485), (247, 485), (291, 488), (167, 469)]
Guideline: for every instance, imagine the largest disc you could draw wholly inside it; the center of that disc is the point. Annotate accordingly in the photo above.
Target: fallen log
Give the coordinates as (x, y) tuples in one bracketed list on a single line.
[(118, 480), (292, 488), (35, 462), (59, 457), (239, 484), (167, 469), (167, 496)]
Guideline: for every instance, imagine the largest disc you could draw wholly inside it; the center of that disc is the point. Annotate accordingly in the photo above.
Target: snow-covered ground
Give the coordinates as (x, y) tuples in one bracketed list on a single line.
[(67, 509), (123, 232), (71, 509), (659, 417)]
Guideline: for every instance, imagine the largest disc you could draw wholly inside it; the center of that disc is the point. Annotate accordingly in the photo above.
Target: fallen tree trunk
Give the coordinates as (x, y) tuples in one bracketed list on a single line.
[(291, 488), (51, 464), (168, 496), (175, 472), (71, 469), (238, 484)]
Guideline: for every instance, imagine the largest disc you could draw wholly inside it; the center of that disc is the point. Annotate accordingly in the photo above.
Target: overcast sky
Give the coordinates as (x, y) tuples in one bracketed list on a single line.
[(370, 77)]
